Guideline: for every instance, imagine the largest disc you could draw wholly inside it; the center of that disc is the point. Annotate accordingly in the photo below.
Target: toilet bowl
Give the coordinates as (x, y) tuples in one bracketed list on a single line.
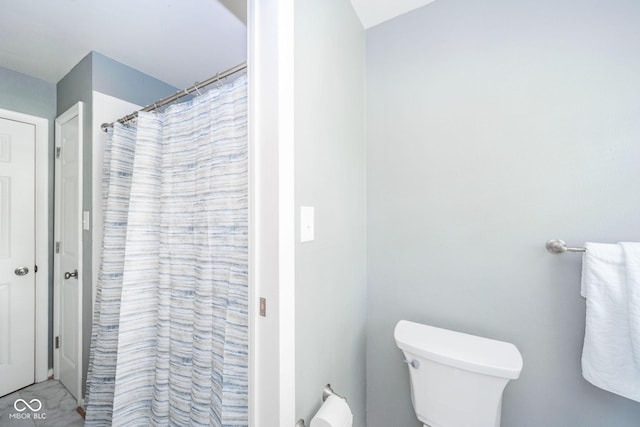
[(457, 379)]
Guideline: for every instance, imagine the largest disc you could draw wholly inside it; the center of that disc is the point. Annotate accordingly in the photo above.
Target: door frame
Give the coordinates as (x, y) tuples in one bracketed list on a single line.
[(271, 213), (75, 110), (41, 368)]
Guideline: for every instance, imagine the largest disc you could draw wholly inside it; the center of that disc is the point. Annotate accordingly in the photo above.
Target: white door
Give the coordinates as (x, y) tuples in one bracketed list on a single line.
[(68, 251), (17, 255)]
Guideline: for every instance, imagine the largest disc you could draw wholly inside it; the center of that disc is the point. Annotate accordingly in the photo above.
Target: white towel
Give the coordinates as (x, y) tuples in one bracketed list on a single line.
[(611, 286), (632, 268)]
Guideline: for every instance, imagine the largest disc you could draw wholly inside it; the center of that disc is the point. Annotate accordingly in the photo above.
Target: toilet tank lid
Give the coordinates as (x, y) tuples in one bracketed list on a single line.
[(470, 352)]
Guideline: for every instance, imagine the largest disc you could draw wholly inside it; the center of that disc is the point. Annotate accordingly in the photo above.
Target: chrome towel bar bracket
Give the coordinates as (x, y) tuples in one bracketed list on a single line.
[(558, 246)]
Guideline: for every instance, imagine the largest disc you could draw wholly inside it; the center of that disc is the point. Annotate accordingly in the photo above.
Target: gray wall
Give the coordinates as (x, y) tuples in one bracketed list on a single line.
[(121, 81), (492, 127), (100, 73), (29, 95), (330, 176)]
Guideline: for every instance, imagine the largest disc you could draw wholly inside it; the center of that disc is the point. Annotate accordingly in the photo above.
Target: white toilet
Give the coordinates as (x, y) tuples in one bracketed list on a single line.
[(457, 379)]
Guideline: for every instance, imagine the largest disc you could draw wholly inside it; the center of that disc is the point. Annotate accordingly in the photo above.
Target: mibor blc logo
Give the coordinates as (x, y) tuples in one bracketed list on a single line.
[(27, 410)]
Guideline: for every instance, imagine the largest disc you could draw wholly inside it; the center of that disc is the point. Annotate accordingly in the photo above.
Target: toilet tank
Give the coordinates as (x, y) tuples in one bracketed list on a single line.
[(457, 379)]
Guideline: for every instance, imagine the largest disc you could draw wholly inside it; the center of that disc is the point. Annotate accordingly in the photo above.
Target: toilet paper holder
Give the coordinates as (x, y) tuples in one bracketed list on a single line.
[(326, 392)]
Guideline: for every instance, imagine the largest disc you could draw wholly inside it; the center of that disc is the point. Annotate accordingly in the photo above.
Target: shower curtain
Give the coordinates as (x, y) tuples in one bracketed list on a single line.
[(169, 343)]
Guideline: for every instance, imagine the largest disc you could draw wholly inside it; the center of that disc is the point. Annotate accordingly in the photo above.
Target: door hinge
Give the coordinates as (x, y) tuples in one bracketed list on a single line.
[(263, 307), (57, 342), (58, 149), (35, 269), (57, 247)]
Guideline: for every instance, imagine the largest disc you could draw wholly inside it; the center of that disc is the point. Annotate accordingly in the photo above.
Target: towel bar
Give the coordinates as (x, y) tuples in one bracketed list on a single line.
[(558, 246)]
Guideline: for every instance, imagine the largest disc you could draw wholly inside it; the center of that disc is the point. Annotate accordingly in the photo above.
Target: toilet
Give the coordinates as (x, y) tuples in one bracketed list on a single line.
[(456, 379)]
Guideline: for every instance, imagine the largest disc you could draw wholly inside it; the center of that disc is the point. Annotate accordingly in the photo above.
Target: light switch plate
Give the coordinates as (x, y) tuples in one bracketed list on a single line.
[(307, 224)]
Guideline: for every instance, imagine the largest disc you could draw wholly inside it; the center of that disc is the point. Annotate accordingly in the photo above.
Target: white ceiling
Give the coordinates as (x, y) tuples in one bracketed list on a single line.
[(374, 12), (177, 41)]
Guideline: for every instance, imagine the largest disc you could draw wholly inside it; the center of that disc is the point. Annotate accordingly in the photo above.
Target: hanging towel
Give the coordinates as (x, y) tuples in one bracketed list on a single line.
[(632, 268), (611, 286)]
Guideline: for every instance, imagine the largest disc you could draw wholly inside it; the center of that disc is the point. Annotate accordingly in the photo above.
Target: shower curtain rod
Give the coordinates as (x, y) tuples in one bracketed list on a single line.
[(164, 101)]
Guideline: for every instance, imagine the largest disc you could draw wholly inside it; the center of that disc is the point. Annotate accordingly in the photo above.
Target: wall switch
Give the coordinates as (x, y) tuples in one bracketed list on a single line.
[(86, 225), (306, 224)]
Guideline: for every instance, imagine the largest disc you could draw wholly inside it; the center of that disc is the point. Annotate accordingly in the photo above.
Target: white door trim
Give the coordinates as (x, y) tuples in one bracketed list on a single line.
[(42, 239), (271, 213), (76, 110)]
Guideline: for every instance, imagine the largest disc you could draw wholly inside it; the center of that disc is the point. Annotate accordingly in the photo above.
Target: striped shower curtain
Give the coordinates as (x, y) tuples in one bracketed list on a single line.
[(169, 344)]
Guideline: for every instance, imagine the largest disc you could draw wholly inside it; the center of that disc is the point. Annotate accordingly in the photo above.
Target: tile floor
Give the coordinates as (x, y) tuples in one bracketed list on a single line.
[(58, 407)]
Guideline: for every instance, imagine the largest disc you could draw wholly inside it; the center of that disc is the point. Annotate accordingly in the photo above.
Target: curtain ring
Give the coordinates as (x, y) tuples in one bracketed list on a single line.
[(218, 80), (195, 85)]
